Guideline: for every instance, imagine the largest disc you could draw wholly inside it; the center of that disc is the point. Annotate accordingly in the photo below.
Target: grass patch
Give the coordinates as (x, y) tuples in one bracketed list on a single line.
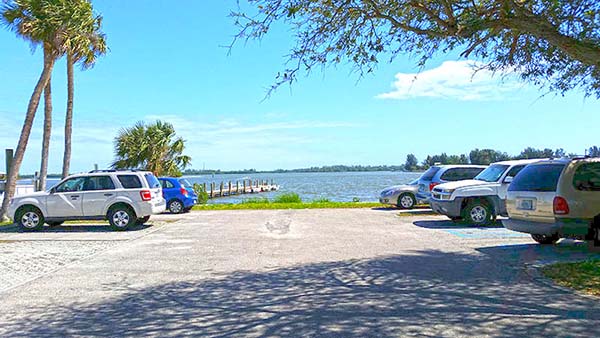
[(582, 276), (287, 198), (290, 205), (6, 223)]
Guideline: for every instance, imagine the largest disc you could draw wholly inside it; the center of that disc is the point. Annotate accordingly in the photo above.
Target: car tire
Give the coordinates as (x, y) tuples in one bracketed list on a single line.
[(545, 239), (142, 220), (175, 207), (29, 218), (477, 213), (121, 218), (594, 241), (406, 201), (55, 223)]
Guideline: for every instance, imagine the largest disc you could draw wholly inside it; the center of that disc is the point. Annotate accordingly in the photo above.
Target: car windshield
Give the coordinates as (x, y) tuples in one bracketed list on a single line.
[(185, 183), (492, 173)]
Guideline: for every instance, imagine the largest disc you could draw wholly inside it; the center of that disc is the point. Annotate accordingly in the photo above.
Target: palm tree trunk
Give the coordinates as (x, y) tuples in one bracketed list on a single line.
[(46, 136), (68, 117), (34, 101)]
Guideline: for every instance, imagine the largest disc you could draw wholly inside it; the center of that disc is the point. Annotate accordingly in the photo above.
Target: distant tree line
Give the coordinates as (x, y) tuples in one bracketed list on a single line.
[(324, 169), (487, 156)]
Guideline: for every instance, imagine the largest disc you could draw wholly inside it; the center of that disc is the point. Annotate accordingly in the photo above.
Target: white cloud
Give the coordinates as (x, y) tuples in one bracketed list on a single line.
[(460, 80)]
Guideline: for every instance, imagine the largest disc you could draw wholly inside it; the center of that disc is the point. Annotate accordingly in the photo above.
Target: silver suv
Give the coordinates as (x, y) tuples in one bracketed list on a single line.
[(439, 174), (123, 198)]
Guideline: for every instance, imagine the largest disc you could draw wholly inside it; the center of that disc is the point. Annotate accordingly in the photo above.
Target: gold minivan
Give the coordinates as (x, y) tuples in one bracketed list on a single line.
[(530, 201), (577, 200)]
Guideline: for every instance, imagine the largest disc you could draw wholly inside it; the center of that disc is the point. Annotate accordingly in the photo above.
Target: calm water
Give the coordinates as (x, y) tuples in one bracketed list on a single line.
[(334, 186), (341, 187)]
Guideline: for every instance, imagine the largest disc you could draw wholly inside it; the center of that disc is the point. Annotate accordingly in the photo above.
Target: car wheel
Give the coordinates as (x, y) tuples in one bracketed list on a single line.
[(545, 239), (477, 213), (121, 217), (55, 224), (594, 242), (406, 201), (142, 220), (175, 207), (30, 219)]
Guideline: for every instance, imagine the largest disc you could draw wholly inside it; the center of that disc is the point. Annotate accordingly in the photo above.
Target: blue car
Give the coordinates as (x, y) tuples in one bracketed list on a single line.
[(178, 193)]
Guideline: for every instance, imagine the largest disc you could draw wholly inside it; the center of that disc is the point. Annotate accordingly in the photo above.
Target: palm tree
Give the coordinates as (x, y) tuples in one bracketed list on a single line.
[(46, 135), (153, 147), (39, 22), (84, 44)]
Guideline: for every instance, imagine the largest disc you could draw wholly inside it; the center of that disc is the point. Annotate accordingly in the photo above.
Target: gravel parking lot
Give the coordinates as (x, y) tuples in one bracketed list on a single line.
[(344, 273)]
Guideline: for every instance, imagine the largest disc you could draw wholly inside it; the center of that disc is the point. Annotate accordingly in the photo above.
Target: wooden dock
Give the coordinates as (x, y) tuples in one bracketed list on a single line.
[(225, 189)]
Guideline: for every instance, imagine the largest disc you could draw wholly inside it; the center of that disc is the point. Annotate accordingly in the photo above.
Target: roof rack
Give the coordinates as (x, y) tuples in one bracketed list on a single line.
[(111, 170)]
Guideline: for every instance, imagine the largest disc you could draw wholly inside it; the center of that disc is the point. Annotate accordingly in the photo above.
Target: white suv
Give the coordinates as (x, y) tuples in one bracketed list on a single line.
[(481, 199), (123, 198)]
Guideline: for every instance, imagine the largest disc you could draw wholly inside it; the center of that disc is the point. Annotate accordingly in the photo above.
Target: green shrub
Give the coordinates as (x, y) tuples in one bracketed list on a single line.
[(202, 195), (322, 200), (256, 200), (356, 200), (288, 198)]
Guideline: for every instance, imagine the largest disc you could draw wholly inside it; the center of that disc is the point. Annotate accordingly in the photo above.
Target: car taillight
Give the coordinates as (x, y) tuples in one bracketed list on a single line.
[(183, 192), (560, 206), (146, 195), (432, 185)]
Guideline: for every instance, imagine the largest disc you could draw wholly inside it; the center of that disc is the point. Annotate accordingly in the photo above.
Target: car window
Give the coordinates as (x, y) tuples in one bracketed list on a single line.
[(428, 175), (152, 181), (166, 184), (492, 173), (98, 183), (72, 184), (587, 177), (185, 183), (515, 170), (130, 181), (458, 174), (540, 177)]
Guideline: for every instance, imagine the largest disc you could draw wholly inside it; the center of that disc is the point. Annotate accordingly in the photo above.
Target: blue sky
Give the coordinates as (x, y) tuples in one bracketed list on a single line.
[(167, 62)]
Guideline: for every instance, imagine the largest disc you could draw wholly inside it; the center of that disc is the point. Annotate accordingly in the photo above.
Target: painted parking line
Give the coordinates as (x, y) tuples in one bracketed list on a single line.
[(483, 233)]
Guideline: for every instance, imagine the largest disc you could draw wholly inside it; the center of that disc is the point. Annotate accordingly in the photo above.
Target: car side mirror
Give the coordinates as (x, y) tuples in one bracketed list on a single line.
[(508, 179), (52, 190)]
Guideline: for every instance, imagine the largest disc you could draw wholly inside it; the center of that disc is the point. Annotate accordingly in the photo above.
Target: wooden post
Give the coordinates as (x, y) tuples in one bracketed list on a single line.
[(237, 187), (211, 190), (229, 188), (221, 189), (244, 186), (204, 186)]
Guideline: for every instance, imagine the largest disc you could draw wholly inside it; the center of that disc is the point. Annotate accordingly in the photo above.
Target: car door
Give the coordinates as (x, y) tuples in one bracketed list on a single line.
[(168, 189), (512, 172), (97, 192), (65, 200)]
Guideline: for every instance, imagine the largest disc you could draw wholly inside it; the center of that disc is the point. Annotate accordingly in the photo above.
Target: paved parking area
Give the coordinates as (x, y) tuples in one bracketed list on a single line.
[(342, 273)]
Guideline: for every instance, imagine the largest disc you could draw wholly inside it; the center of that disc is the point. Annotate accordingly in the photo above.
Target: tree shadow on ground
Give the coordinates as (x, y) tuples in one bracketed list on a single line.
[(448, 224), (538, 254), (424, 293), (87, 227)]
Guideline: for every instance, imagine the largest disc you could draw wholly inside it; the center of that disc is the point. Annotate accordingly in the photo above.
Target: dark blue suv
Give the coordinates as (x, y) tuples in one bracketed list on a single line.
[(178, 193)]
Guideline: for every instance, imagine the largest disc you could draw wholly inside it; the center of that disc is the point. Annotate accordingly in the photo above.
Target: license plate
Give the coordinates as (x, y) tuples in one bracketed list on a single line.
[(526, 204)]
